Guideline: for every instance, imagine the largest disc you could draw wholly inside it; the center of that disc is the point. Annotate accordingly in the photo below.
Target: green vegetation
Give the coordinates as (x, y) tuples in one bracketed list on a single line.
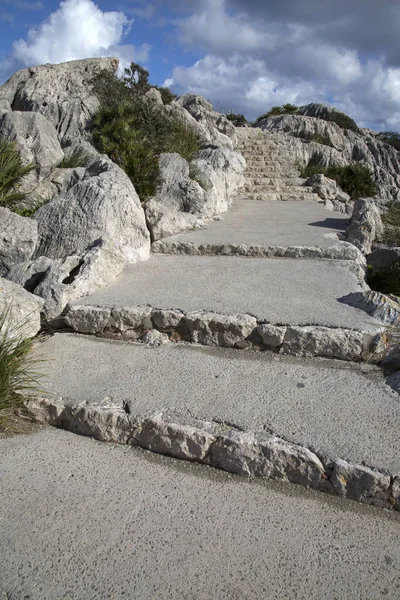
[(321, 138), (17, 374), (29, 211), (390, 137), (78, 158), (385, 280), (285, 109), (342, 120), (391, 222), (355, 179), (133, 132), (239, 119), (12, 171)]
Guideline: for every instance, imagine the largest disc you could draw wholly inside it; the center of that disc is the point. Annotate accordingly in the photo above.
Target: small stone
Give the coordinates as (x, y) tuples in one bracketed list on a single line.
[(219, 330), (271, 335), (155, 338), (130, 321), (166, 320), (235, 452), (88, 319)]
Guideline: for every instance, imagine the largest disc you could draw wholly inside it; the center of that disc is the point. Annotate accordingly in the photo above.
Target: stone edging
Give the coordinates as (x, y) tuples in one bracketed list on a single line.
[(257, 454), (228, 331), (339, 251)]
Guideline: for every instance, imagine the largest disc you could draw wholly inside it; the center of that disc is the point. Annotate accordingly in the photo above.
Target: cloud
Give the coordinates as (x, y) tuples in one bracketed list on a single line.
[(77, 29), (257, 54)]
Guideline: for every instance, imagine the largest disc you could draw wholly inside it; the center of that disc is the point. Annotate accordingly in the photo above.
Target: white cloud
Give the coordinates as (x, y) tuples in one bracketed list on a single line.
[(77, 29)]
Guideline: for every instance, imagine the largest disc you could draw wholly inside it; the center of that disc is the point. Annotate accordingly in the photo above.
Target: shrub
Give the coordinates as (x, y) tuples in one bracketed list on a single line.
[(391, 222), (385, 280), (133, 132), (390, 137), (12, 171), (78, 158), (28, 211), (286, 109), (321, 138), (355, 179), (166, 94), (342, 120), (17, 374), (239, 119)]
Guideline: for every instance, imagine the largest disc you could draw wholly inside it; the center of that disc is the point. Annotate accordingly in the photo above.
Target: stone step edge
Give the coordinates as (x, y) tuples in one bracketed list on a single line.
[(257, 454), (241, 331), (339, 251)]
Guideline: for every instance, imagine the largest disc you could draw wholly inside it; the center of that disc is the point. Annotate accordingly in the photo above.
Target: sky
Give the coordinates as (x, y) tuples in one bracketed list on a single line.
[(243, 55)]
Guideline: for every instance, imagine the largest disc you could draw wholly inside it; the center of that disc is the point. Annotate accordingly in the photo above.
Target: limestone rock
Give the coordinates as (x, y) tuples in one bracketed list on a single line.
[(79, 275), (323, 341), (61, 93), (220, 330), (182, 203), (236, 452), (18, 238), (176, 436), (103, 204), (155, 338), (396, 493), (365, 226), (360, 483), (328, 189), (204, 113), (29, 274), (23, 309), (271, 335), (166, 320), (131, 322), (88, 319), (104, 422), (382, 307)]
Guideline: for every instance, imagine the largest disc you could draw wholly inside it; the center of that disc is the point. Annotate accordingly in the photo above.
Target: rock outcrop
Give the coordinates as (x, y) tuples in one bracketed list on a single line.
[(188, 195), (339, 146), (61, 93), (103, 203), (18, 239), (365, 226), (21, 308)]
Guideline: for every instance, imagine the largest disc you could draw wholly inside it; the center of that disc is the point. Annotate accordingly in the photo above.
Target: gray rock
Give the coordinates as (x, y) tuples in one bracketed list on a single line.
[(220, 330), (381, 258), (271, 335), (130, 322), (104, 204), (382, 307), (204, 113), (360, 483), (365, 226), (182, 203), (166, 320), (176, 435), (36, 140), (236, 452), (45, 410), (104, 422), (328, 190), (88, 319), (79, 275), (29, 274), (155, 338), (18, 238), (61, 93), (323, 341), (289, 462), (23, 310)]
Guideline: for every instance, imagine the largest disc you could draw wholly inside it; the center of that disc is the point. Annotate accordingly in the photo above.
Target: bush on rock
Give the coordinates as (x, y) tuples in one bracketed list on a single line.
[(354, 179), (12, 171)]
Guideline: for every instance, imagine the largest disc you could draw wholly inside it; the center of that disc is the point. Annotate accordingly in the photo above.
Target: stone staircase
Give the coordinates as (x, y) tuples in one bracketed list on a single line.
[(272, 172)]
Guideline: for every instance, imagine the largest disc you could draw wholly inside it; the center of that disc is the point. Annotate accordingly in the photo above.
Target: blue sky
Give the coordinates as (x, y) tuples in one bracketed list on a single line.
[(243, 55)]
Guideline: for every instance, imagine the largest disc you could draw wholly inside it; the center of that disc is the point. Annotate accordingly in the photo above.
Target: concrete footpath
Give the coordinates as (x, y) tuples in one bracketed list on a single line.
[(87, 520)]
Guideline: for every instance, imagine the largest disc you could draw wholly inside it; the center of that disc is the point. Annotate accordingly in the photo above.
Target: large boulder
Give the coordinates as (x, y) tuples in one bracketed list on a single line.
[(18, 239), (22, 309), (188, 195), (102, 204), (36, 140), (62, 93), (204, 113), (365, 226)]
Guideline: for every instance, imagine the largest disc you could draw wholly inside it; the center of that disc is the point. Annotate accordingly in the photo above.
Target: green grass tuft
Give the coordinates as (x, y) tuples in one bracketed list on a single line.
[(78, 158), (12, 171), (17, 366), (355, 179)]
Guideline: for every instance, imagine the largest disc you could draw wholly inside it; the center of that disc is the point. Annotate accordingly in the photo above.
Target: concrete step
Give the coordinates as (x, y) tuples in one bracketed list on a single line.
[(139, 394), (278, 186), (270, 172), (274, 181), (124, 522)]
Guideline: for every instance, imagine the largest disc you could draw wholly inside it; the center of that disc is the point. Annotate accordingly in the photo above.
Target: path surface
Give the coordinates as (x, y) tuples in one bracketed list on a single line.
[(84, 519), (293, 291), (272, 224), (324, 404)]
